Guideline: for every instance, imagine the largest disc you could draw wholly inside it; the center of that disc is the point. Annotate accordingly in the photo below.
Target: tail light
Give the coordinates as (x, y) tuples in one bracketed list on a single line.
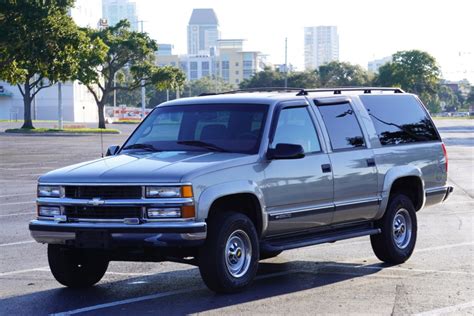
[(445, 156)]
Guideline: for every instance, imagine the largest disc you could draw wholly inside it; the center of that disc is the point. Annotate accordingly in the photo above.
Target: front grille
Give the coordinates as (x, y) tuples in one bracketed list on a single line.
[(103, 192), (101, 212)]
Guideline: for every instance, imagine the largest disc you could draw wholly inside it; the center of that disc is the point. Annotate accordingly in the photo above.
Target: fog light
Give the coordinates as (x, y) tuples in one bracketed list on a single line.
[(49, 211), (168, 212)]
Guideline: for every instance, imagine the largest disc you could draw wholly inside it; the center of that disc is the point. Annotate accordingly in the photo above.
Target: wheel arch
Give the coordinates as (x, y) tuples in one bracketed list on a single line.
[(246, 193)]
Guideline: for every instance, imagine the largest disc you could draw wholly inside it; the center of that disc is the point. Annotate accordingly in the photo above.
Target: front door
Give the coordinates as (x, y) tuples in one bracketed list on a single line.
[(298, 192)]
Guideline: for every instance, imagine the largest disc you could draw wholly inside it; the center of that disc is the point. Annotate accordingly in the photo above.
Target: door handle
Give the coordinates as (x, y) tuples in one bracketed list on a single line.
[(326, 168), (371, 162)]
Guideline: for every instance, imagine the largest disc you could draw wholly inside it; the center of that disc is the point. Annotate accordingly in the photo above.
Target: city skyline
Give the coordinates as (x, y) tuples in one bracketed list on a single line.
[(366, 31)]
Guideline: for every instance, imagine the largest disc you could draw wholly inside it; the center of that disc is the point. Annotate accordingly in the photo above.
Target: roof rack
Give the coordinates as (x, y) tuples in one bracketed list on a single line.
[(250, 90), (366, 90)]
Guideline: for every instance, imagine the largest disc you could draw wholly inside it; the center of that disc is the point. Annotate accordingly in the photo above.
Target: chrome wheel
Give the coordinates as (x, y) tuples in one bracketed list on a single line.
[(238, 253), (402, 228)]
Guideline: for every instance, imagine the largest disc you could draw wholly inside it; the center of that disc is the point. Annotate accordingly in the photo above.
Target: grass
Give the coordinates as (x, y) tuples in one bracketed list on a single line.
[(127, 122), (62, 131)]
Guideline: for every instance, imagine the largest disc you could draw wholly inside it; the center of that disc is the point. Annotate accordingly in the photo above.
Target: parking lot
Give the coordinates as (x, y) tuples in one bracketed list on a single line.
[(340, 278)]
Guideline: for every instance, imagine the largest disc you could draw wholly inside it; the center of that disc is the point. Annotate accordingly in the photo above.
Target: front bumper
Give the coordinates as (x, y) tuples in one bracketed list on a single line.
[(109, 235)]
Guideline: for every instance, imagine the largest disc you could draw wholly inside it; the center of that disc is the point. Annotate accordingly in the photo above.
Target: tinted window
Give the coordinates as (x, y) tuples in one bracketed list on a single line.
[(342, 126), (296, 127), (399, 119), (232, 127)]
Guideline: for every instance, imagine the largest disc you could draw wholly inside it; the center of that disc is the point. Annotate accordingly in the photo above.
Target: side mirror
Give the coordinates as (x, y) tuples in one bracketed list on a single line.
[(112, 150), (285, 151)]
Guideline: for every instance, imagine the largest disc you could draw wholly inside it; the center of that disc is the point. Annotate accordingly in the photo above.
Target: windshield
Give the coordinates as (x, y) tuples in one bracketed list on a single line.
[(204, 127)]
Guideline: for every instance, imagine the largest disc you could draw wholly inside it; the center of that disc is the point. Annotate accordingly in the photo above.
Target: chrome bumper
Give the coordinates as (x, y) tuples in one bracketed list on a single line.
[(163, 234)]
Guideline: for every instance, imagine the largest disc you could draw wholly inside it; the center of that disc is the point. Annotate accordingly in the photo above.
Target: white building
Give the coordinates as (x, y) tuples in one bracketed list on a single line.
[(78, 103), (116, 10), (321, 46), (374, 65)]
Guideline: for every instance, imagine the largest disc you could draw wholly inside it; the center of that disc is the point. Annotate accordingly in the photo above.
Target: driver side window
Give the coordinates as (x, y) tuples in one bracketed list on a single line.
[(296, 127)]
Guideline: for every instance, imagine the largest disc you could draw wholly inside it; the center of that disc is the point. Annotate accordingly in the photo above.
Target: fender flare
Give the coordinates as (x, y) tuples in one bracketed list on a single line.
[(212, 193), (391, 176)]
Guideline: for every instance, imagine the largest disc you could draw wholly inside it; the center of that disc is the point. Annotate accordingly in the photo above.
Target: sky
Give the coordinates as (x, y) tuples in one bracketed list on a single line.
[(368, 29)]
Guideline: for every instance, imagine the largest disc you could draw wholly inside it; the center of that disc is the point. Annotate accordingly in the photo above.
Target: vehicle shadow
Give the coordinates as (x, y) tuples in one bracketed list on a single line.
[(183, 292)]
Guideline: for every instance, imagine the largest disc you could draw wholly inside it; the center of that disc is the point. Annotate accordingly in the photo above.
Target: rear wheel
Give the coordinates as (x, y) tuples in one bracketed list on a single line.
[(228, 260), (396, 242), (76, 267)]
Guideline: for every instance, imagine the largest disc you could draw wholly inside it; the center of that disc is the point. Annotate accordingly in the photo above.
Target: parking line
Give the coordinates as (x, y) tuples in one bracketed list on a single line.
[(17, 214), (18, 203), (17, 243), (448, 309), (14, 195), (23, 271), (154, 296), (444, 247)]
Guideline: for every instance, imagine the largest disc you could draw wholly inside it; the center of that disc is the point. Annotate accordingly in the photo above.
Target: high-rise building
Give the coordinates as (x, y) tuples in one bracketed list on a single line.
[(116, 10), (203, 31), (321, 46), (374, 65)]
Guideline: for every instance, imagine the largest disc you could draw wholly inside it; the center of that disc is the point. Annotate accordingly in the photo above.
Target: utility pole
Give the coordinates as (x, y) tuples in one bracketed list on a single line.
[(143, 82), (286, 62), (115, 94), (60, 107)]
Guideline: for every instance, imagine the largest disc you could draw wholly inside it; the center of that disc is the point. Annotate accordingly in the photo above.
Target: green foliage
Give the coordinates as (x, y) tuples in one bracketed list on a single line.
[(470, 97), (448, 98), (206, 85), (342, 74), (124, 49), (39, 46), (272, 78), (414, 71)]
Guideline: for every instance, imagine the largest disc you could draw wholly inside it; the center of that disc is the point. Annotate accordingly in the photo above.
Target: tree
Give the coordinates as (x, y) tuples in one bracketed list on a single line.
[(39, 46), (342, 74), (448, 98), (124, 49), (272, 78), (206, 85), (414, 71)]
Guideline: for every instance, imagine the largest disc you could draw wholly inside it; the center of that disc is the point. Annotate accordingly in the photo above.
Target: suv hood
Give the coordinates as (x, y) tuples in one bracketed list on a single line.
[(145, 167)]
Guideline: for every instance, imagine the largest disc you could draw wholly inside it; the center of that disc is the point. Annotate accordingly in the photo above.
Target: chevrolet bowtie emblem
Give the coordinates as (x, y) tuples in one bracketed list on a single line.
[(95, 202)]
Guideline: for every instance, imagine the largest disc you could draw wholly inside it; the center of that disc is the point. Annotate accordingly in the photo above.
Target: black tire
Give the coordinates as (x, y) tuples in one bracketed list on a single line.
[(395, 244), (215, 256), (76, 268), (269, 254)]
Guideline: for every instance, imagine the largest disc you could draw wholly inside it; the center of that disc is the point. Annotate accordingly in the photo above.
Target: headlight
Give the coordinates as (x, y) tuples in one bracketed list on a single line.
[(169, 192), (49, 191), (49, 211)]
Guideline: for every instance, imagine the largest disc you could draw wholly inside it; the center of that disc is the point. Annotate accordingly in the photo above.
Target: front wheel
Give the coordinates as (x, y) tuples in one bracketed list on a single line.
[(228, 260), (76, 268), (396, 242)]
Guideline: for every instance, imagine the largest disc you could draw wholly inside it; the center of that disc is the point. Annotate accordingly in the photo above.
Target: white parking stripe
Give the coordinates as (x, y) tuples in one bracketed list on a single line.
[(444, 247), (18, 203), (17, 243), (23, 271), (154, 296), (17, 214), (448, 309), (21, 194)]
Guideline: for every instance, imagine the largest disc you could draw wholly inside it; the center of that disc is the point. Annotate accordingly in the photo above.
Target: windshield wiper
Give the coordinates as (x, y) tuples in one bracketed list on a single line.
[(148, 147), (199, 143)]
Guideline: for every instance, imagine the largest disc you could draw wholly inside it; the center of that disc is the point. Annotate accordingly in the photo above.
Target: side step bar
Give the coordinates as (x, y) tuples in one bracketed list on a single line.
[(280, 244)]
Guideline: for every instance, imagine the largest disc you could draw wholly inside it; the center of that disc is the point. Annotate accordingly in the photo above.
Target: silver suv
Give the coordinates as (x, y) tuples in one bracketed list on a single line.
[(223, 181)]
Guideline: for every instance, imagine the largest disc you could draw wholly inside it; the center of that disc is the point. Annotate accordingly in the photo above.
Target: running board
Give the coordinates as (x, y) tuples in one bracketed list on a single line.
[(281, 244)]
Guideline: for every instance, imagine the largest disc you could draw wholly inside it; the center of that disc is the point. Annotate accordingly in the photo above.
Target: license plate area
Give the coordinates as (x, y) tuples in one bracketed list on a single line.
[(92, 239)]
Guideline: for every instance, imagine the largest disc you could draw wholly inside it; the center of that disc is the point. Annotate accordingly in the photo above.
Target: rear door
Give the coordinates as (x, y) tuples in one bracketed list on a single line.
[(298, 192), (356, 195)]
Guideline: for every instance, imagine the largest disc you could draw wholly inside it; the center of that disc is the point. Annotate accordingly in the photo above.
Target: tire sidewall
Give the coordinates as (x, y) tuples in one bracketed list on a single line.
[(398, 202)]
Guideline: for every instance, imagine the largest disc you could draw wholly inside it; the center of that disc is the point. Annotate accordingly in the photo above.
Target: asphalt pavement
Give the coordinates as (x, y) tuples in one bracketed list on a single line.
[(340, 278)]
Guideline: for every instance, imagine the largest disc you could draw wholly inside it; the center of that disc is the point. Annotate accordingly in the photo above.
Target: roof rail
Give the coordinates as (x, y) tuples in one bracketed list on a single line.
[(250, 90), (366, 90)]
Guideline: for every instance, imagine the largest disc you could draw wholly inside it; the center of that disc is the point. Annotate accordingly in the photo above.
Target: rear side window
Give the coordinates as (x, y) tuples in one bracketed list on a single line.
[(399, 119), (342, 126)]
